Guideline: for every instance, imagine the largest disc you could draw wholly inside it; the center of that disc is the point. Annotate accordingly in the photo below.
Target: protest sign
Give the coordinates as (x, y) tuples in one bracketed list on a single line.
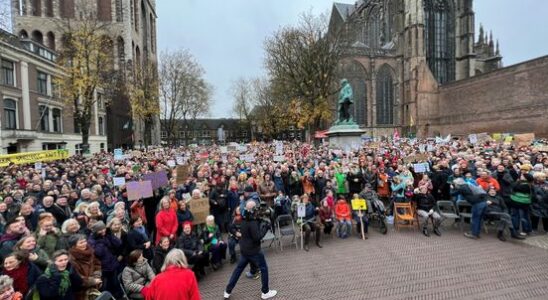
[(171, 163), (199, 209), (38, 165), (421, 168), (524, 139), (473, 138), (541, 148), (301, 210), (118, 154), (279, 158), (136, 154), (183, 172), (247, 157), (138, 190), (119, 181), (224, 149), (358, 204), (422, 148), (430, 148), (181, 160), (279, 148), (158, 179)]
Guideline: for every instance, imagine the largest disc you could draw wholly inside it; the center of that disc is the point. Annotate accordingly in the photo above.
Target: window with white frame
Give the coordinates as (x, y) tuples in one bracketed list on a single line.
[(101, 126), (10, 114), (43, 112), (163, 134), (42, 83), (78, 149), (8, 72), (56, 115)]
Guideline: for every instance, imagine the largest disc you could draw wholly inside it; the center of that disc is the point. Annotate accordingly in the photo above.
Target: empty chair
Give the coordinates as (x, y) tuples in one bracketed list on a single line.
[(405, 216), (447, 210), (286, 230)]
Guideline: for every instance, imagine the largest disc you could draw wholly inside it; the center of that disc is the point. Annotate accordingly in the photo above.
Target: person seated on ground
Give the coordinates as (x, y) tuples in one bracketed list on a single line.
[(344, 216), (6, 289), (213, 242), (160, 252), (425, 210), (23, 272), (310, 223), (357, 215), (137, 274), (326, 217), (194, 250), (496, 209), (60, 280)]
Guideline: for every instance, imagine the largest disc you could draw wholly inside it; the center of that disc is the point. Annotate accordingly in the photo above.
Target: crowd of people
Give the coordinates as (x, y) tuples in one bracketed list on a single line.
[(67, 232)]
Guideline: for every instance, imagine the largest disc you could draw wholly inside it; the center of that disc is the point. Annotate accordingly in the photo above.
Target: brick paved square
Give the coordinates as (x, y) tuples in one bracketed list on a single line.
[(400, 265)]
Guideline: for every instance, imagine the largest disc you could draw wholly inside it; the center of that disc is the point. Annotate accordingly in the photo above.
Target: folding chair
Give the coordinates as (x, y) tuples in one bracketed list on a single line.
[(288, 230), (122, 287), (405, 216), (269, 236), (465, 211), (447, 210)]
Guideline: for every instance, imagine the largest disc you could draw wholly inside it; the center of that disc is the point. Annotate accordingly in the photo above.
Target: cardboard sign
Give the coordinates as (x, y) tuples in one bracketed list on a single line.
[(524, 139), (183, 172), (301, 210), (421, 168), (199, 209), (119, 181), (139, 190), (158, 179), (359, 204)]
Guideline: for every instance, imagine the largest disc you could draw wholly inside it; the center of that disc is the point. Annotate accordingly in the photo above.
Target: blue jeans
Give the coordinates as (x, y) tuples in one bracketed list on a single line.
[(478, 210), (520, 216), (257, 259)]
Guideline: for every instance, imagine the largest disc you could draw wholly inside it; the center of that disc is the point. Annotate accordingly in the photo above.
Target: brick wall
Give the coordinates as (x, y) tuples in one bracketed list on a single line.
[(512, 99)]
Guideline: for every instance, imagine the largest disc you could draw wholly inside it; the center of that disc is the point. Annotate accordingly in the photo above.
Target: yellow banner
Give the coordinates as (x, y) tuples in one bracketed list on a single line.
[(32, 157), (359, 204)]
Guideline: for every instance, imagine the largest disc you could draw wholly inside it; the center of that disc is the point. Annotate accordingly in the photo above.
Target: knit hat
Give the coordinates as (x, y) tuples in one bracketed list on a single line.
[(100, 225)]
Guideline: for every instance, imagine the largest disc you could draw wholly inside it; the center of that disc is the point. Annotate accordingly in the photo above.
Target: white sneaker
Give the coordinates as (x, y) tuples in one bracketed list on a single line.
[(269, 295), (227, 295)]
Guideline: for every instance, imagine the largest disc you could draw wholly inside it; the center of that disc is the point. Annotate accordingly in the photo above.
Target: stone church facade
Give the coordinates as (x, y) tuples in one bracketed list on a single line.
[(131, 28), (407, 62)]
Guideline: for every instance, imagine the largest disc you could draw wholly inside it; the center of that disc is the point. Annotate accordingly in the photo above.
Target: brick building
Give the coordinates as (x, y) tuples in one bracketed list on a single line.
[(33, 117), (129, 24)]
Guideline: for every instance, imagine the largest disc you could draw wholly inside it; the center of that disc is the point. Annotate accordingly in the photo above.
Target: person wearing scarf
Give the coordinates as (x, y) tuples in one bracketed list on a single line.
[(60, 280), (213, 243), (23, 272), (85, 263)]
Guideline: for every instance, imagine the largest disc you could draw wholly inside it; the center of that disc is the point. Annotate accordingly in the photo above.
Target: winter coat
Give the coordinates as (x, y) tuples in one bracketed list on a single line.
[(539, 207), (486, 183), (173, 283), (48, 242), (135, 240), (159, 257), (465, 191), (166, 224), (104, 246), (48, 287), (189, 244), (505, 181), (424, 202), (137, 277), (342, 210), (522, 193)]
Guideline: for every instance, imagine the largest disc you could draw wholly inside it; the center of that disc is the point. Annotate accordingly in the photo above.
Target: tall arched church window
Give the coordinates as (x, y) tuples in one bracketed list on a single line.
[(385, 96), (439, 37)]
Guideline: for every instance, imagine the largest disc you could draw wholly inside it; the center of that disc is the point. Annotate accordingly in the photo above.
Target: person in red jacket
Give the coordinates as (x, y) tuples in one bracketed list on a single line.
[(486, 181), (343, 213), (166, 221), (176, 281)]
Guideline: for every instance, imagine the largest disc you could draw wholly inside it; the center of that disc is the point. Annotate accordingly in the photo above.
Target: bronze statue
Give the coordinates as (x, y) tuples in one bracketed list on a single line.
[(346, 98)]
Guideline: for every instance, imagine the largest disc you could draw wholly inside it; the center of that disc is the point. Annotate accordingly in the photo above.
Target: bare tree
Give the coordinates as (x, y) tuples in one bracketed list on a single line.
[(5, 15), (244, 96), (301, 62), (184, 93)]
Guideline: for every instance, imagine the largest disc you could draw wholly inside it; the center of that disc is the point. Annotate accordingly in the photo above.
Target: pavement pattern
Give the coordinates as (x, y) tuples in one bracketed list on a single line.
[(399, 265)]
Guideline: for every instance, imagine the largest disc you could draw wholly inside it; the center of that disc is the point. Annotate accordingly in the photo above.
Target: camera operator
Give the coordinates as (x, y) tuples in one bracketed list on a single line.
[(250, 247)]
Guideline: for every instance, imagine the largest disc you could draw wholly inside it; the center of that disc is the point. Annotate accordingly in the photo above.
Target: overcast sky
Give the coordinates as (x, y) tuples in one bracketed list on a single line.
[(226, 36)]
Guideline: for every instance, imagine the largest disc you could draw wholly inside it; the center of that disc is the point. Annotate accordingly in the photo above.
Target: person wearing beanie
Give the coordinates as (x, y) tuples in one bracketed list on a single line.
[(105, 245)]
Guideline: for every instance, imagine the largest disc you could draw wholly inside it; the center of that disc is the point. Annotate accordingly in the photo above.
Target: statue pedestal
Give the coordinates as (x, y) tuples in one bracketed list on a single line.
[(343, 135)]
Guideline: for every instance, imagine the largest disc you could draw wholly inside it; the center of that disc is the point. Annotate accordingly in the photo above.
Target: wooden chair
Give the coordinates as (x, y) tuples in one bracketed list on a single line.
[(405, 216)]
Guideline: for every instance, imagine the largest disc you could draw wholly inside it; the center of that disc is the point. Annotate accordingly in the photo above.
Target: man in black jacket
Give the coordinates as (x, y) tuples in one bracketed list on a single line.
[(250, 248)]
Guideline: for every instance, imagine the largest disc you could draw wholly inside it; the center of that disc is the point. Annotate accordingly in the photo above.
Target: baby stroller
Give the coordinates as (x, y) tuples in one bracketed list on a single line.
[(376, 211)]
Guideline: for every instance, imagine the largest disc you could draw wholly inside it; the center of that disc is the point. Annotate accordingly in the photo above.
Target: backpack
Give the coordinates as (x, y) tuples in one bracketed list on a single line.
[(477, 190)]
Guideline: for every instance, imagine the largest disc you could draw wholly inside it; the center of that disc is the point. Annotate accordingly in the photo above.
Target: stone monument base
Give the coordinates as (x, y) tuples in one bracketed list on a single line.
[(341, 136)]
